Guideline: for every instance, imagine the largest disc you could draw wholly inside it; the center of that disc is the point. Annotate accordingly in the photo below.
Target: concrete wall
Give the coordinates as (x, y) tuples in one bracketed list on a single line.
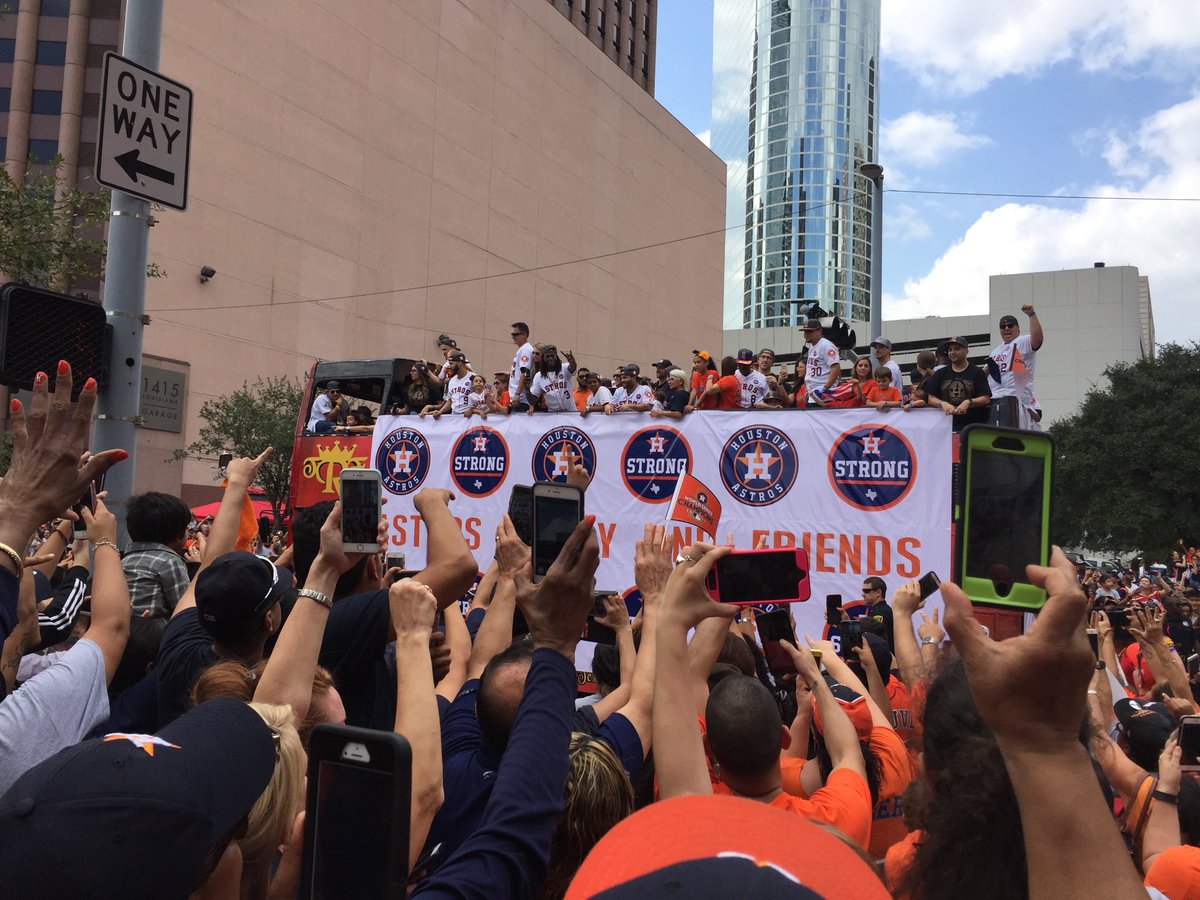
[(414, 155)]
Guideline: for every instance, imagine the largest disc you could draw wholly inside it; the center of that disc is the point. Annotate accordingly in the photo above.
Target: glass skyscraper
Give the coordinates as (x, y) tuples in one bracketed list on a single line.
[(795, 100)]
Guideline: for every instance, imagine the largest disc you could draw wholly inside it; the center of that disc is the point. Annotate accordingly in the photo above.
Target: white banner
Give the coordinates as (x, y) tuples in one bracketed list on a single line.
[(864, 492)]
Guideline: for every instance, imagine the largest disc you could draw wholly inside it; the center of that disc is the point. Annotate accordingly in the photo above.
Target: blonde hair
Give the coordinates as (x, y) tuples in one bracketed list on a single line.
[(272, 814), (230, 678), (598, 795)]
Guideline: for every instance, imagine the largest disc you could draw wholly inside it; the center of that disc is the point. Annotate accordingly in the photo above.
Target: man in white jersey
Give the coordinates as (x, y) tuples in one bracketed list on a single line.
[(631, 396), (1011, 363), (881, 349), (552, 382), (753, 382), (521, 375), (458, 388), (824, 363)]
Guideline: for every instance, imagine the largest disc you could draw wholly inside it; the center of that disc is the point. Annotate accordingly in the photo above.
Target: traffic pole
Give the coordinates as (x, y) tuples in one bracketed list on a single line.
[(119, 404)]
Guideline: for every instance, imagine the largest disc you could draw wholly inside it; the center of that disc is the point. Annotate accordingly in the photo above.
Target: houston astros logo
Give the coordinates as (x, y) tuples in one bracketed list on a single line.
[(873, 467), (558, 449), (403, 460), (758, 465), (652, 462), (479, 462)]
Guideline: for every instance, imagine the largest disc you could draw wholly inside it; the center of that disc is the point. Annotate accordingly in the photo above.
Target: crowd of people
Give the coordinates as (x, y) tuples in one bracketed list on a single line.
[(156, 716), (541, 379)]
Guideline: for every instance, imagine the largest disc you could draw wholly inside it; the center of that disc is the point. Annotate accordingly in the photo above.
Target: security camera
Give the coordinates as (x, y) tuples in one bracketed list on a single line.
[(206, 272)]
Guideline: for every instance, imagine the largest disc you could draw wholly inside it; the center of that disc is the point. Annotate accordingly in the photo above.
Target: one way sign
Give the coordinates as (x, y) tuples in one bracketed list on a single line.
[(145, 133)]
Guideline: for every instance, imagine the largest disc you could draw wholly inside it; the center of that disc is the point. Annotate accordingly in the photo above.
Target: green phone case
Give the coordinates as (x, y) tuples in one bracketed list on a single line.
[(976, 439)]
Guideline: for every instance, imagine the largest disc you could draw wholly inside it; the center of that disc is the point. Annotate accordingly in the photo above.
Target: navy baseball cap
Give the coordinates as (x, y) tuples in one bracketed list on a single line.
[(237, 588), (135, 815)]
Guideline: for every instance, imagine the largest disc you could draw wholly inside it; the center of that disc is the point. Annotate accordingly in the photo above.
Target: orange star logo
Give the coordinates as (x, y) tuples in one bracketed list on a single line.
[(147, 742)]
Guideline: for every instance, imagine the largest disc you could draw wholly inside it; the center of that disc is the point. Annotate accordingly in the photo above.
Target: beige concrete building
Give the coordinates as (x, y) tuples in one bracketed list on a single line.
[(370, 173)]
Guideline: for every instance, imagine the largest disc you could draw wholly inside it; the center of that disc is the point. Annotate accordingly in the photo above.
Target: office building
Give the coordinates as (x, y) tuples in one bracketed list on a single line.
[(365, 175), (623, 29), (795, 109), (1091, 318)]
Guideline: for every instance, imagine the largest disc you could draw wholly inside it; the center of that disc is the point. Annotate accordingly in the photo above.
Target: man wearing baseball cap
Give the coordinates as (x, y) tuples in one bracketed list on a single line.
[(823, 367), (961, 388), (881, 349), (753, 382), (1012, 362), (662, 369), (328, 409), (631, 396)]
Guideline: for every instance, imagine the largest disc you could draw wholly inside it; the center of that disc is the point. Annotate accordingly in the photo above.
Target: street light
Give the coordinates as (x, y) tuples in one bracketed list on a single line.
[(874, 171)]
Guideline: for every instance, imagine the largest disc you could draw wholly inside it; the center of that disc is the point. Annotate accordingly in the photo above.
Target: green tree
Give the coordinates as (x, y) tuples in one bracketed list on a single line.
[(1125, 474), (51, 234), (248, 421)]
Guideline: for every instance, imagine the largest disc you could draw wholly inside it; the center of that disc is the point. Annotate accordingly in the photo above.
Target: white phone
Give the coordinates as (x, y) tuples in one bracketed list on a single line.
[(557, 510), (362, 505)]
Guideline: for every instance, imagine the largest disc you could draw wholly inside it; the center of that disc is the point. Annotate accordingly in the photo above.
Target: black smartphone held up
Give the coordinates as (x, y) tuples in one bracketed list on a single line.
[(1118, 618), (1189, 743), (520, 510), (596, 630), (851, 634), (88, 501), (557, 510), (356, 829), (1193, 665), (362, 506), (773, 627), (749, 577), (929, 584), (1004, 514), (833, 609)]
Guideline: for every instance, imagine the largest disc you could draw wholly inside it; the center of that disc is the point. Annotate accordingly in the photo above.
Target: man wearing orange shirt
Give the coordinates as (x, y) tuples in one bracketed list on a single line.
[(745, 732)]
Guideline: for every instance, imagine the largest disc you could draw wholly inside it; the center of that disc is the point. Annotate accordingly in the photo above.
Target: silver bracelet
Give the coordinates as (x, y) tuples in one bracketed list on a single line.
[(317, 596), (104, 542)]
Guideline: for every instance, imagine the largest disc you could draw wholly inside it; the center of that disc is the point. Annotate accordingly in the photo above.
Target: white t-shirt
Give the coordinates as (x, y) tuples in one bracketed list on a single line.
[(480, 402), (523, 359), (640, 394), (555, 387), (600, 397), (320, 406), (823, 358), (1016, 361), (754, 388), (897, 376), (458, 388)]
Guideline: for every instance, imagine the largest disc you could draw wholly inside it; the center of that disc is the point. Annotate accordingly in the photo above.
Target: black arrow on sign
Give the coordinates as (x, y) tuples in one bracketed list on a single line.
[(133, 168)]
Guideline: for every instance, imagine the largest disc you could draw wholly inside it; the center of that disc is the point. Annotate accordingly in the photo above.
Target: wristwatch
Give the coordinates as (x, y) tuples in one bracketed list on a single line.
[(323, 599), (927, 640)]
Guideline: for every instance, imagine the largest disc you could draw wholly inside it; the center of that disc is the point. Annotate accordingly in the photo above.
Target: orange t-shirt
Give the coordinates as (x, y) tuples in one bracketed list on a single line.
[(902, 714), (844, 802), (895, 772), (581, 399), (731, 393), (699, 380), (872, 394), (898, 860)]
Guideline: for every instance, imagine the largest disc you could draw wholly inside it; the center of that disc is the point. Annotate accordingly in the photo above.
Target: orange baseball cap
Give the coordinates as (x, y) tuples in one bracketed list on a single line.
[(855, 707), (709, 846)]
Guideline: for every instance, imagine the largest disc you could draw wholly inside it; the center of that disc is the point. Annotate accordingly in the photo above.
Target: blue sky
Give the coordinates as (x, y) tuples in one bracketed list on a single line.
[(1100, 98)]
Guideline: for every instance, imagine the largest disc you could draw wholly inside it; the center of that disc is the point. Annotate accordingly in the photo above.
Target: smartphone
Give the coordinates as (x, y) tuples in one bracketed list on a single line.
[(833, 609), (1193, 665), (88, 500), (223, 462), (851, 634), (557, 510), (362, 505), (1118, 618), (1003, 516), (595, 630), (774, 627), (929, 584), (1094, 640), (394, 561), (356, 829), (1189, 743), (750, 577), (520, 510)]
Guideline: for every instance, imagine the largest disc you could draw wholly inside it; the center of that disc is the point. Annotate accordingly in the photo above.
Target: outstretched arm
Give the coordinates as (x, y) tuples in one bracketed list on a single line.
[(109, 628), (449, 566)]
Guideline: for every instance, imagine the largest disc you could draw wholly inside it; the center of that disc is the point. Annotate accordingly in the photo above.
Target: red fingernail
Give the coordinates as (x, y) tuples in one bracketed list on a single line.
[(63, 367), (120, 455), (16, 406), (89, 384), (591, 520), (39, 377)]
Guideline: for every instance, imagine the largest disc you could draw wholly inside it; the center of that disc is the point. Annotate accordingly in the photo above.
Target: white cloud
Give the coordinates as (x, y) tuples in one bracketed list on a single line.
[(960, 47), (904, 223), (705, 137), (1154, 236), (927, 139)]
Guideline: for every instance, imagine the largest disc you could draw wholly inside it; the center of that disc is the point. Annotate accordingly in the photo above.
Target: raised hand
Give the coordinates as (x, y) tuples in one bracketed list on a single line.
[(413, 608), (652, 562), (686, 600), (931, 628), (557, 608), (512, 554)]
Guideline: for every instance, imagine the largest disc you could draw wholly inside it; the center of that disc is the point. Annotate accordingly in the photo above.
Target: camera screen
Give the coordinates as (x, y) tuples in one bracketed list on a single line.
[(352, 831), (360, 511), (1005, 503), (1189, 743), (556, 518), (759, 577)]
